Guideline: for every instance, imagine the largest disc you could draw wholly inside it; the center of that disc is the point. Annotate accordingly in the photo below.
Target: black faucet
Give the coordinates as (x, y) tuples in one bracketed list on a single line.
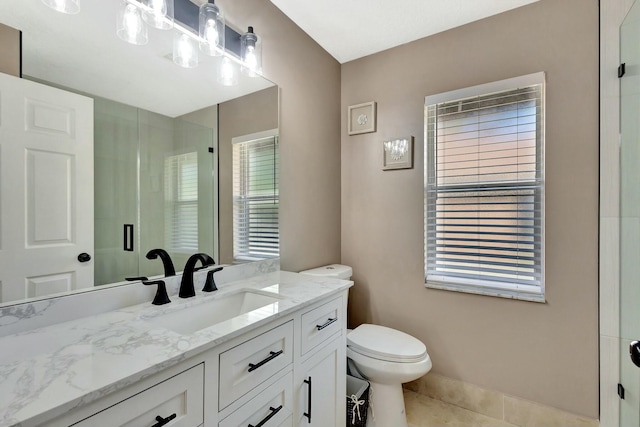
[(166, 261), (187, 289)]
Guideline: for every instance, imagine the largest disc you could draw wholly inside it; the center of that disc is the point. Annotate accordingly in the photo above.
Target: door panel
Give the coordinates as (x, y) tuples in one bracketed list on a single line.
[(46, 189)]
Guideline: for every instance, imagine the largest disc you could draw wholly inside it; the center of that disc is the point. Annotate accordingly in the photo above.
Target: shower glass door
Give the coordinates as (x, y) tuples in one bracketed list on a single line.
[(155, 187), (630, 218)]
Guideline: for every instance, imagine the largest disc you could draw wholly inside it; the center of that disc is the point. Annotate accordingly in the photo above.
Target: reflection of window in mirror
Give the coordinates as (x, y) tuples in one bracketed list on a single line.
[(181, 202), (255, 197)]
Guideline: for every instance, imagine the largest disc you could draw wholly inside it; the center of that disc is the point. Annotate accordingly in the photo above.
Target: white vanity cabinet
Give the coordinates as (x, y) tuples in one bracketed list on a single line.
[(290, 372), (172, 400), (320, 374)]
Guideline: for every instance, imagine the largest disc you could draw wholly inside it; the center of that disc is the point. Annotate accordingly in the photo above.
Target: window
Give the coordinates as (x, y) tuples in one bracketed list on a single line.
[(484, 189), (255, 198), (181, 202)]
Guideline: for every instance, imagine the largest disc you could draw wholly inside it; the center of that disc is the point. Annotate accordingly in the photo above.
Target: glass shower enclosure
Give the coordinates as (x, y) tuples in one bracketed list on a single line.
[(154, 188)]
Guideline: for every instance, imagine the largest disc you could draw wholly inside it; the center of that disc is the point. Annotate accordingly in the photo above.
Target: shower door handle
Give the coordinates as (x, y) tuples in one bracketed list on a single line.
[(634, 352), (128, 238)]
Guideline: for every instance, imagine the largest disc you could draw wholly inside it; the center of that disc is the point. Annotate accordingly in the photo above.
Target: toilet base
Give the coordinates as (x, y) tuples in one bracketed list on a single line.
[(386, 406)]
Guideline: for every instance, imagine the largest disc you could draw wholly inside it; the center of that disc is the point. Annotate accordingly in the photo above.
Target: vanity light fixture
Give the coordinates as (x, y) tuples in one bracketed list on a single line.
[(211, 28), (130, 25), (135, 15), (158, 13), (65, 6), (251, 53)]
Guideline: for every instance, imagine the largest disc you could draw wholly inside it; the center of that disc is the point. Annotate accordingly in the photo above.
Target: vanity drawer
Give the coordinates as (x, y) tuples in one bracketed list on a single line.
[(320, 324), (243, 367), (181, 395), (272, 407)]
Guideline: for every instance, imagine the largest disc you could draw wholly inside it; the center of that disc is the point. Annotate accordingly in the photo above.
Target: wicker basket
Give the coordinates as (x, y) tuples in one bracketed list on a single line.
[(357, 391)]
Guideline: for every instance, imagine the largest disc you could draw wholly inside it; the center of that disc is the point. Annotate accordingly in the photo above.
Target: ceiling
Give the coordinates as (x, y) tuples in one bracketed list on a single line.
[(351, 29)]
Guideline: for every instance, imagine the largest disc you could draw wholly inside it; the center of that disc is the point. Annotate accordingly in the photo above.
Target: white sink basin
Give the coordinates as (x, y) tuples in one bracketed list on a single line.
[(190, 319)]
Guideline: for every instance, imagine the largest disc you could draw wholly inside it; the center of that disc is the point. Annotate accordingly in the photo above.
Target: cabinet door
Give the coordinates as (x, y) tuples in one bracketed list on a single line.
[(321, 389)]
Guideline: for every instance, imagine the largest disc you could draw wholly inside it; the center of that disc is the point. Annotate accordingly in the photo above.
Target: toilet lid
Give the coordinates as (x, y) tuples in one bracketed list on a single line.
[(385, 343)]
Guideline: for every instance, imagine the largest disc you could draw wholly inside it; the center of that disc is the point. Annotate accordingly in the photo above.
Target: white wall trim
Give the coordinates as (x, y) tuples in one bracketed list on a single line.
[(612, 13)]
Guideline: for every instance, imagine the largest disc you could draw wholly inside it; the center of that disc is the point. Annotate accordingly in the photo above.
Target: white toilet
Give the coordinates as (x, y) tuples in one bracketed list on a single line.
[(386, 357)]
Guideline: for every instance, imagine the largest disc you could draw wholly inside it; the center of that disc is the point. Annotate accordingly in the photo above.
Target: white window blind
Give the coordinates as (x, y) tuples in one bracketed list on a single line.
[(181, 202), (484, 190), (256, 233)]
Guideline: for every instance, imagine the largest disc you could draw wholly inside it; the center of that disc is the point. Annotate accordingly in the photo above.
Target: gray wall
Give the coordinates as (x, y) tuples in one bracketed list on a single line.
[(309, 81), (547, 353)]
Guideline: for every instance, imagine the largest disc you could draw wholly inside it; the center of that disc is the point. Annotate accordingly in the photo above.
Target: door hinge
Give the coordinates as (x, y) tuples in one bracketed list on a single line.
[(622, 70), (621, 391)]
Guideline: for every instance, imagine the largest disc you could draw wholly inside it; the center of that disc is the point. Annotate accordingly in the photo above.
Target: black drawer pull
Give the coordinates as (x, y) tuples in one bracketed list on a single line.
[(268, 417), (308, 413), (163, 421), (253, 367), (327, 323)]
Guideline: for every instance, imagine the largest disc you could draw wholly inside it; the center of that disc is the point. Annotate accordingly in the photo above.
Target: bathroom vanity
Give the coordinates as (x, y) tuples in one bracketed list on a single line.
[(264, 351)]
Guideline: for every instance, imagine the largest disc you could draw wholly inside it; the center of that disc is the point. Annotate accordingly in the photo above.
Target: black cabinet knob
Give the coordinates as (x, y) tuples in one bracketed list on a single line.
[(84, 257)]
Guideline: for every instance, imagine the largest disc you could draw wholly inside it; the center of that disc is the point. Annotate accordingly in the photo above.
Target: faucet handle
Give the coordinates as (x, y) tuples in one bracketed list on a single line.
[(210, 283), (161, 293)]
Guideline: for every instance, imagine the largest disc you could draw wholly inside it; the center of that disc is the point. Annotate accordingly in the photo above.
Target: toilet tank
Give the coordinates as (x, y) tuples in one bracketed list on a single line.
[(336, 271)]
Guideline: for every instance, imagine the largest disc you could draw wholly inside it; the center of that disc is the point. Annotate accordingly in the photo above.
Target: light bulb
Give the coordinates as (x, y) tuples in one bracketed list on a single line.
[(159, 13), (250, 58), (132, 23), (131, 27), (65, 6), (159, 8), (211, 33), (185, 53), (227, 75)]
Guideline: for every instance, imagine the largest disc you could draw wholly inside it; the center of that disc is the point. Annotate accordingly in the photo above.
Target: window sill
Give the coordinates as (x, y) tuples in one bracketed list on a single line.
[(486, 291)]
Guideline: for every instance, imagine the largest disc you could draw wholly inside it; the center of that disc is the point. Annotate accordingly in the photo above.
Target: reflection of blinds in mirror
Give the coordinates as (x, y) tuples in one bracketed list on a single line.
[(256, 232), (484, 191), (181, 202)]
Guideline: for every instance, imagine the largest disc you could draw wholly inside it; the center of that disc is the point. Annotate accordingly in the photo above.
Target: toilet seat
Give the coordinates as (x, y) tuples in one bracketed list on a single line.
[(382, 343)]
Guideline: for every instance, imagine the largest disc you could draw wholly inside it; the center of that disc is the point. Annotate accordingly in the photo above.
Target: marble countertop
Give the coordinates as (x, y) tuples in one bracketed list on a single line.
[(49, 371)]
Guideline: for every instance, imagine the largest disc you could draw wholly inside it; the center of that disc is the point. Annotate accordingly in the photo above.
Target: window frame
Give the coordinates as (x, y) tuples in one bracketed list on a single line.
[(237, 199), (479, 286)]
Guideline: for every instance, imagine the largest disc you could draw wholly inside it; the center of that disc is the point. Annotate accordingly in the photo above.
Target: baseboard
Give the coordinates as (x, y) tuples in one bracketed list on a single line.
[(519, 412)]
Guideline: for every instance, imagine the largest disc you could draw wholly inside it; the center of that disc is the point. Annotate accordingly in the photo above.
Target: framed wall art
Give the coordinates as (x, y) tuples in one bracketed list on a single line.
[(398, 153), (362, 118)]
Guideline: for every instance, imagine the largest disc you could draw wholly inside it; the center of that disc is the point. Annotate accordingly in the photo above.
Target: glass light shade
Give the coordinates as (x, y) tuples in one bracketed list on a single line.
[(251, 53), (211, 25), (65, 6), (185, 50), (227, 72), (158, 13), (130, 25)]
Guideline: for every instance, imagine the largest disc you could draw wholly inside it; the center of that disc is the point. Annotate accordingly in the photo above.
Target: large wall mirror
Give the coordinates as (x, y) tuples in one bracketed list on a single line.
[(152, 166)]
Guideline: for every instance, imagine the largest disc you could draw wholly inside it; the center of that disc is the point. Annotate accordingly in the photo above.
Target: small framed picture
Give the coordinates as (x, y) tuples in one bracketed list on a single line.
[(398, 153), (362, 118)]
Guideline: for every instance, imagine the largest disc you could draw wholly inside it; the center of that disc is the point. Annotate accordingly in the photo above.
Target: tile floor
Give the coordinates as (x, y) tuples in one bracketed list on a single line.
[(423, 411)]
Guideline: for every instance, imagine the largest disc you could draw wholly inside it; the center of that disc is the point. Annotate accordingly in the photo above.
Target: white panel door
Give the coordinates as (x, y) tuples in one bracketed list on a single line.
[(46, 189)]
